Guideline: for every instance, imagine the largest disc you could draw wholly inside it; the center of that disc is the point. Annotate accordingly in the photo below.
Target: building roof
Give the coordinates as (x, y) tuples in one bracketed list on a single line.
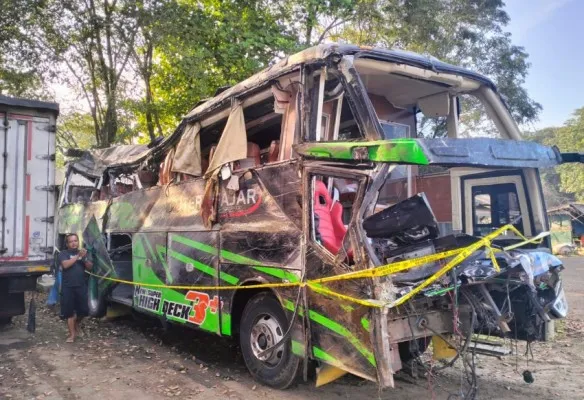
[(570, 208)]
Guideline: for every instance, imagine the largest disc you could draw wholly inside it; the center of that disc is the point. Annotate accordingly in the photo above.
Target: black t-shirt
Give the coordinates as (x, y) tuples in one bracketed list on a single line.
[(74, 275)]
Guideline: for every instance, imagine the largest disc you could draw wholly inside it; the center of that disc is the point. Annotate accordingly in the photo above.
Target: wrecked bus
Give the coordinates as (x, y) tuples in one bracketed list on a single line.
[(342, 207)]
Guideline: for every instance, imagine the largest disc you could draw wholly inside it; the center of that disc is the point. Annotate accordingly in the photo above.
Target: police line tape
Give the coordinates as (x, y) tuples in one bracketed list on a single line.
[(459, 255)]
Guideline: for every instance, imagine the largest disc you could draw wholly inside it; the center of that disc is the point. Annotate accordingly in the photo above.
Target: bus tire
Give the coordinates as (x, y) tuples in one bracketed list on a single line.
[(264, 324), (96, 301)]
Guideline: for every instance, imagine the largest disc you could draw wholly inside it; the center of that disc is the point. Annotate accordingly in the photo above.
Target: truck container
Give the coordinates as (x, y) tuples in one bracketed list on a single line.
[(27, 171)]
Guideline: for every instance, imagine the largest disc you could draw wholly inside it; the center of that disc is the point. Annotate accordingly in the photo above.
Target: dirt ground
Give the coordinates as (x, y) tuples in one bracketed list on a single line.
[(125, 358)]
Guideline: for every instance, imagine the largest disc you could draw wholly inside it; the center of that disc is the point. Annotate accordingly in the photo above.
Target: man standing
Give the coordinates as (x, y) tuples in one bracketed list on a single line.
[(74, 262)]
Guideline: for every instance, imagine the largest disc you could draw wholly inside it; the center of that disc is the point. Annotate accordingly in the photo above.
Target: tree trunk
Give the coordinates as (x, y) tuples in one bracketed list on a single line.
[(310, 23), (149, 109), (110, 124)]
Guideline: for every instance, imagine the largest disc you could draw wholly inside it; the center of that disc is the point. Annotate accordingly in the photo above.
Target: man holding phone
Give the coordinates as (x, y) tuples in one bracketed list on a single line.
[(74, 262)]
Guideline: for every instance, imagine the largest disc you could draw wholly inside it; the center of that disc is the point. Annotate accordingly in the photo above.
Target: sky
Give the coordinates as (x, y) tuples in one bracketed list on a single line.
[(552, 32)]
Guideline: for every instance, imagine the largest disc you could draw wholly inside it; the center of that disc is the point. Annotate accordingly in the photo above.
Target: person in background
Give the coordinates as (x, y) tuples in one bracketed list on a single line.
[(74, 262)]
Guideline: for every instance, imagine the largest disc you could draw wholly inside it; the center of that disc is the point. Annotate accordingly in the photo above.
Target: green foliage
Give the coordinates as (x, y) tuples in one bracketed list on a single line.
[(570, 138), (566, 182), (463, 32), (74, 131), (205, 48), (139, 66), (19, 72)]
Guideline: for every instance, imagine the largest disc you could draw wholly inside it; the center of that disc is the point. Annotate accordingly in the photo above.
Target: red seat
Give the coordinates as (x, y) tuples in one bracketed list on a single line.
[(330, 227), (253, 157), (337, 219), (274, 151)]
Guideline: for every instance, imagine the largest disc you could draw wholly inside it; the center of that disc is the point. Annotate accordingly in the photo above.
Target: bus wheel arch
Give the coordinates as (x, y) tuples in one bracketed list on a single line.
[(266, 350), (241, 297), (96, 301)]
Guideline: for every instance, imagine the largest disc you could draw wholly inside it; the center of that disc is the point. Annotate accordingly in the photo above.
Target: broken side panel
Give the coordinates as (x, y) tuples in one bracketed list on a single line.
[(283, 183), (169, 208), (254, 228), (102, 264), (340, 330), (259, 243), (73, 218)]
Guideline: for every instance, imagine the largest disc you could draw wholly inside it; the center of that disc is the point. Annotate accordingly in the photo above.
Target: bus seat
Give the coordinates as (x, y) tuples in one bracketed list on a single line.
[(274, 151), (337, 220), (330, 228), (252, 160)]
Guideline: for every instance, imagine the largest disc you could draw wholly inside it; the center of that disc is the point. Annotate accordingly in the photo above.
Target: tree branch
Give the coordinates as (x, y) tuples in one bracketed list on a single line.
[(332, 25)]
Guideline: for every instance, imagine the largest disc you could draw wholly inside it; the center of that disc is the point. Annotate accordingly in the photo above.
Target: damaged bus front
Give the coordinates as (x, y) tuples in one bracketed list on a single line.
[(345, 206), (447, 234), (426, 280)]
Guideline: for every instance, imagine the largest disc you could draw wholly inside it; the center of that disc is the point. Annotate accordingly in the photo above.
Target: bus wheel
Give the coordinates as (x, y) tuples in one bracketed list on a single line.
[(263, 325), (96, 301)]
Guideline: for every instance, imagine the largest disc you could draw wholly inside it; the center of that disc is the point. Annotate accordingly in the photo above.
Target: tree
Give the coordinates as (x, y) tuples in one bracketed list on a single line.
[(74, 131), (313, 20), (570, 138), (463, 32), (153, 18), (564, 183), (140, 65), (19, 75), (216, 44), (93, 41)]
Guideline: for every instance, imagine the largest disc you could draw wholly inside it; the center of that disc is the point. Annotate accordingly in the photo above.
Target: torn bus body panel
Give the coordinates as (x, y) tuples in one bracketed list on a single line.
[(340, 330), (73, 218)]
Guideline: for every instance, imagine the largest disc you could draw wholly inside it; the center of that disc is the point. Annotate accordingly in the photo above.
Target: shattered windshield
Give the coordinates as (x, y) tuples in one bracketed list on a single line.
[(411, 107)]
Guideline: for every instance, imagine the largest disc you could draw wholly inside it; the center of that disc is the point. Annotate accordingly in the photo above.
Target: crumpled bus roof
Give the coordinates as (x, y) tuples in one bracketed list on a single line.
[(320, 53), (95, 162)]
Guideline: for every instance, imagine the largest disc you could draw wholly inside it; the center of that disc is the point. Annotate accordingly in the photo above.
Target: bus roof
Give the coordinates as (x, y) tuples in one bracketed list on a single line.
[(322, 52)]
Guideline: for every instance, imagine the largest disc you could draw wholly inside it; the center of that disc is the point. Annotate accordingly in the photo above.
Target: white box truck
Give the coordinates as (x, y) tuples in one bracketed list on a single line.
[(27, 198)]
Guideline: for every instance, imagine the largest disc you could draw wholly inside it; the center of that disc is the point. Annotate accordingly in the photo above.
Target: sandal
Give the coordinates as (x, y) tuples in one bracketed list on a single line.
[(70, 339)]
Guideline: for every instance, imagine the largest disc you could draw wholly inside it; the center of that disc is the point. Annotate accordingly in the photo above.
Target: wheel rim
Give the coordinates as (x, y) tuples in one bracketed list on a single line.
[(265, 333)]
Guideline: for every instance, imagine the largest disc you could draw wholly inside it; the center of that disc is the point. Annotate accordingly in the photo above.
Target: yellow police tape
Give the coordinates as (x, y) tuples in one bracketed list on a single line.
[(458, 255)]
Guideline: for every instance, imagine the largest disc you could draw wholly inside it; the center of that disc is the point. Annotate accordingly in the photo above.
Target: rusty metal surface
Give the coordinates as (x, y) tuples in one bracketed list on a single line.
[(73, 218), (411, 326)]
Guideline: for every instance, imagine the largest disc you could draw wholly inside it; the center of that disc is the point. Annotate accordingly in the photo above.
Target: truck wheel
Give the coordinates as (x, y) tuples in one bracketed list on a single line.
[(96, 301), (264, 324), (5, 321)]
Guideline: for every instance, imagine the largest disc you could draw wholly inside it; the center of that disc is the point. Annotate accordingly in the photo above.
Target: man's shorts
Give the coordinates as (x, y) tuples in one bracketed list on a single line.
[(74, 301)]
